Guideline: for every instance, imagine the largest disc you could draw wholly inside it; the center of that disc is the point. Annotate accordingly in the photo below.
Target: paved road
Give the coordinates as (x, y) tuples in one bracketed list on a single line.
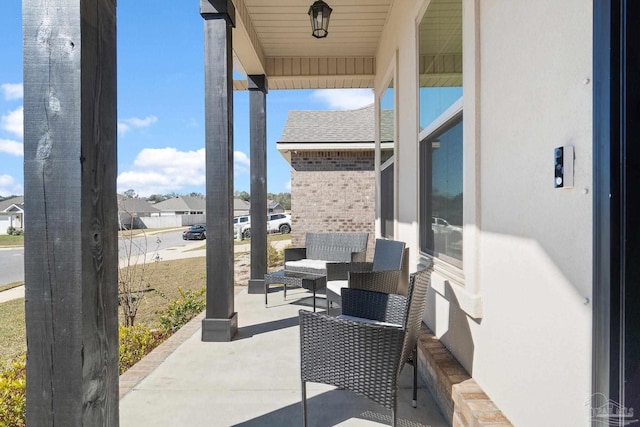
[(12, 259), (11, 265)]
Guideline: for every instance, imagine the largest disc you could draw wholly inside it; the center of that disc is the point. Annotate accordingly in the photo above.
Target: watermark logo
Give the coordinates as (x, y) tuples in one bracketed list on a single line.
[(608, 412)]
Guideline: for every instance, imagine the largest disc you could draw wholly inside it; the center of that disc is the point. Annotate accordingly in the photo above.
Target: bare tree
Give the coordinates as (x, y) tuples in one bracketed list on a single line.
[(137, 265)]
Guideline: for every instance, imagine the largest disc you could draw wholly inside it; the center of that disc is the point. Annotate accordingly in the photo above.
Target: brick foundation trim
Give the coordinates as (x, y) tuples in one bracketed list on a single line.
[(460, 398)]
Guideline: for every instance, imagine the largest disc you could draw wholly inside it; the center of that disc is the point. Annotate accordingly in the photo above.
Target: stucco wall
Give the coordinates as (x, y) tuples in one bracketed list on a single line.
[(332, 191), (526, 273)]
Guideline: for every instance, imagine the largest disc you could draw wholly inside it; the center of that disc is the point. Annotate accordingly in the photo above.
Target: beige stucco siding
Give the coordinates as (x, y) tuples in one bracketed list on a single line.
[(536, 241), (527, 269)]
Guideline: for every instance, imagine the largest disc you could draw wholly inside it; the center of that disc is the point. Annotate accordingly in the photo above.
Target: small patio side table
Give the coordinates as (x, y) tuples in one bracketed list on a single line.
[(312, 282)]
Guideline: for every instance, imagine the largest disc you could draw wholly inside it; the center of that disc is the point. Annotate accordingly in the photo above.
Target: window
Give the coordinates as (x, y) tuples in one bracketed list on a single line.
[(441, 194), (440, 102)]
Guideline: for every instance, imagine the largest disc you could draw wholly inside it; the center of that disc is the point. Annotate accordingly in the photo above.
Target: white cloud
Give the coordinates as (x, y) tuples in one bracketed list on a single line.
[(241, 163), (11, 147), (13, 122), (163, 170), (344, 99), (9, 186), (287, 185), (131, 123), (12, 90)]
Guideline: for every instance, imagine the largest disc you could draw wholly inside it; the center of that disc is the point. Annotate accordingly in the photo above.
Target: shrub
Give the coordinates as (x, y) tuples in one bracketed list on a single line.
[(189, 305), (13, 401), (274, 256), (12, 231), (135, 343)]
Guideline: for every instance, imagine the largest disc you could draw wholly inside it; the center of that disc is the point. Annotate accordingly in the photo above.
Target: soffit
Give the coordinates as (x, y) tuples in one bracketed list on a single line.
[(440, 35), (274, 38)]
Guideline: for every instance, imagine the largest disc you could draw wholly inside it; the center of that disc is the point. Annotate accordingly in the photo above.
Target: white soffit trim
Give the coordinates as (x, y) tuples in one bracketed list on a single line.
[(341, 146), (449, 113)]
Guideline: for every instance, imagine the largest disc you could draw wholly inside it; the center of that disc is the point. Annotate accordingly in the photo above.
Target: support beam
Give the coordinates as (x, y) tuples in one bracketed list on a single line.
[(258, 127), (71, 246), (220, 322)]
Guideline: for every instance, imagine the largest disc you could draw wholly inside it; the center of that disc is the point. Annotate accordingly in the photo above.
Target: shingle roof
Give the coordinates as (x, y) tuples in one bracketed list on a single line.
[(336, 126), (182, 204), (136, 206), (239, 204), (18, 200)]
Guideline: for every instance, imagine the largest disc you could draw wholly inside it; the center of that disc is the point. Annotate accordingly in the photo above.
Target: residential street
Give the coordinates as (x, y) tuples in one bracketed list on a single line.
[(11, 265), (166, 245)]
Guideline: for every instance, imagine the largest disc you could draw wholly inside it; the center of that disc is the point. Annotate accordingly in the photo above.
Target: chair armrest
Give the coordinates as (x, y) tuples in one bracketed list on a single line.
[(294, 254), (340, 270), (358, 256), (378, 281), (372, 305), (344, 352)]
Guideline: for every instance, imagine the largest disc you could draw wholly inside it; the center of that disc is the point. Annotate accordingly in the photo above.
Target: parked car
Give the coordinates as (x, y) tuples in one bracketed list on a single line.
[(279, 223), (442, 226), (276, 223), (242, 224), (195, 232)]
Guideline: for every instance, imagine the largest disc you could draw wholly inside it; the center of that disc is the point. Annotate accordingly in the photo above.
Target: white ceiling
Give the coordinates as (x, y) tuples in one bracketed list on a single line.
[(274, 38)]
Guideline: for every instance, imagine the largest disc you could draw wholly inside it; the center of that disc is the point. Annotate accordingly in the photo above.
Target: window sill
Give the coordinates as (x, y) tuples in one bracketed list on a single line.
[(449, 282)]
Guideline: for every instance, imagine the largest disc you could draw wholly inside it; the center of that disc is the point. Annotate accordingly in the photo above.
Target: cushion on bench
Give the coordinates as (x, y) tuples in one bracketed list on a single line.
[(313, 266)]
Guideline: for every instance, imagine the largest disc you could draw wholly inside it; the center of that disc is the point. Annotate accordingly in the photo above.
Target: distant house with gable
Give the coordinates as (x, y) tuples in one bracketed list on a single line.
[(130, 209), (182, 205), (11, 213), (274, 207), (241, 207)]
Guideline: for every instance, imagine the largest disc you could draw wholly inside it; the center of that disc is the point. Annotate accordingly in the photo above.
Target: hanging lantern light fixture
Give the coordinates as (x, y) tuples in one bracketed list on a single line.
[(319, 12)]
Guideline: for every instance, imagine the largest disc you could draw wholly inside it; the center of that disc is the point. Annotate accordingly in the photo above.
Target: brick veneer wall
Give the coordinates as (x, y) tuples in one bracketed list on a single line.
[(332, 191)]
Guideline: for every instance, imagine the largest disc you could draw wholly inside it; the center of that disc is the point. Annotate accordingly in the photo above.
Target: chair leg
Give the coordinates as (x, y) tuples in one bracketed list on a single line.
[(304, 404), (393, 416), (415, 377)]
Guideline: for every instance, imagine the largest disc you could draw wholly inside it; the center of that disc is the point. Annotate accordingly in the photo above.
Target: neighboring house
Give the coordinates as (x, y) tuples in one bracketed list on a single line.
[(11, 213), (241, 207), (182, 205), (274, 207), (333, 186), (131, 208)]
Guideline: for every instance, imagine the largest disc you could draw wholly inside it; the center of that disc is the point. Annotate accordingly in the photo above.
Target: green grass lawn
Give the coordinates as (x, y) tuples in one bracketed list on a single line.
[(6, 241), (165, 277), (13, 335)]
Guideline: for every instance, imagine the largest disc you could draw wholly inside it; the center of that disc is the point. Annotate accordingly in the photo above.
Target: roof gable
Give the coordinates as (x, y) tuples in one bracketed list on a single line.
[(17, 201), (182, 204)]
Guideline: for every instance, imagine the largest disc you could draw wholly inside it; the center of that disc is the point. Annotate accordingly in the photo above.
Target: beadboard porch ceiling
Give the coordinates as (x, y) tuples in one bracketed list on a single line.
[(274, 38)]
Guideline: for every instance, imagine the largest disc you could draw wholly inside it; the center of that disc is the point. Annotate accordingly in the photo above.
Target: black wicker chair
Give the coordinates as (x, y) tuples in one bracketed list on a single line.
[(364, 349), (385, 274)]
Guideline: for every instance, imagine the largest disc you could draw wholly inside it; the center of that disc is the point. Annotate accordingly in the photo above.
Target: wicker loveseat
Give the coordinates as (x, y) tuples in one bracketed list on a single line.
[(322, 248)]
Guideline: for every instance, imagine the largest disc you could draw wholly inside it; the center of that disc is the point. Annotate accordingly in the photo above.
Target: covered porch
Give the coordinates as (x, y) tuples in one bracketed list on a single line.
[(253, 380)]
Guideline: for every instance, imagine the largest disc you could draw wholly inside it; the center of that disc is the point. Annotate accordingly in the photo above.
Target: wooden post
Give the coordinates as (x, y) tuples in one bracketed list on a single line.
[(220, 322), (258, 126), (71, 259)]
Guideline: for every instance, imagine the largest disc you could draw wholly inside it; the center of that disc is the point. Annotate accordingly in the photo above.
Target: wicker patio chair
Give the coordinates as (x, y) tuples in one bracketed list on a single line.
[(364, 349), (384, 274)]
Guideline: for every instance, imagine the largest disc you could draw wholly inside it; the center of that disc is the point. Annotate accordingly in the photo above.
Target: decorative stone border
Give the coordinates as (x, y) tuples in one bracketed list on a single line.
[(460, 398), (151, 361)]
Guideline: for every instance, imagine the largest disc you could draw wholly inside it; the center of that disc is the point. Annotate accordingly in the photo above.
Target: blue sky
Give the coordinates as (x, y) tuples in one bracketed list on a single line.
[(160, 103)]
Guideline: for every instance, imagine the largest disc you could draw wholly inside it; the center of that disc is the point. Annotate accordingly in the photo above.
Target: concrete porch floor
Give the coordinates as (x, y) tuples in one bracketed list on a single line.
[(253, 380)]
